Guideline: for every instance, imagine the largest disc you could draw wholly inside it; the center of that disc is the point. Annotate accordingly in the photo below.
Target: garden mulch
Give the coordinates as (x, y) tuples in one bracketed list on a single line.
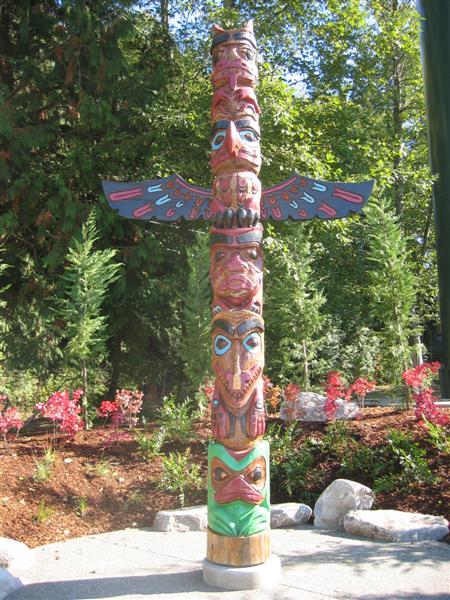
[(95, 486)]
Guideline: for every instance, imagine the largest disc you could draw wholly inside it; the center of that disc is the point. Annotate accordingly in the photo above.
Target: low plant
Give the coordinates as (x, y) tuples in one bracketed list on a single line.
[(149, 446), (63, 408), (336, 387), (405, 464), (272, 395), (102, 467), (44, 466), (419, 380), (9, 418), (81, 506), (180, 474), (290, 394), (203, 397), (439, 436), (177, 420), (44, 512)]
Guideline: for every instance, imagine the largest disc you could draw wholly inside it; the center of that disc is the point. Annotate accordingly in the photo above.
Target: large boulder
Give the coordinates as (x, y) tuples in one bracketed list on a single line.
[(289, 514), (395, 525), (338, 499), (190, 518), (309, 407)]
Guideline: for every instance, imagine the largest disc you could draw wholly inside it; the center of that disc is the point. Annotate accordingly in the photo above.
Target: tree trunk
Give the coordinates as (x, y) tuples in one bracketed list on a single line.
[(397, 122)]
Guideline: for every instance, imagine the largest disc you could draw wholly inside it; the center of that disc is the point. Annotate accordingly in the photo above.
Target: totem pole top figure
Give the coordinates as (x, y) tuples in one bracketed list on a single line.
[(235, 137)]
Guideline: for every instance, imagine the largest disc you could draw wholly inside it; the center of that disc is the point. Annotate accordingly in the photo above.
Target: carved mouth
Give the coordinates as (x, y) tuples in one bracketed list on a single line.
[(238, 489), (239, 396)]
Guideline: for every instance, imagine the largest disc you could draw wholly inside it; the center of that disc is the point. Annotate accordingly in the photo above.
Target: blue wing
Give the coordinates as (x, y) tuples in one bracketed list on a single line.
[(300, 198), (167, 199)]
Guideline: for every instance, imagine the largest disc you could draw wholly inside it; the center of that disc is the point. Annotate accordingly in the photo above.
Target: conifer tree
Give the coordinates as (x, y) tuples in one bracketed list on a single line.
[(87, 276), (392, 288), (292, 307), (195, 347)]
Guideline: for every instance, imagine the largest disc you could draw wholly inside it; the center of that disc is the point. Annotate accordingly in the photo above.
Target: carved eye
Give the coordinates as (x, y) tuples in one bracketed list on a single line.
[(248, 136), (252, 342), (218, 140), (257, 474), (253, 253), (219, 474), (247, 53), (221, 345), (218, 256)]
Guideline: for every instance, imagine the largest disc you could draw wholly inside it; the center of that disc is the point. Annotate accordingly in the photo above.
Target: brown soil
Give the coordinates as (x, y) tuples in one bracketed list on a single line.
[(80, 498)]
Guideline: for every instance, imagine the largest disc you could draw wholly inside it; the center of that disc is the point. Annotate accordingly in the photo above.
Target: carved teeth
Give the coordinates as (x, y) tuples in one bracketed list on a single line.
[(241, 218), (228, 217)]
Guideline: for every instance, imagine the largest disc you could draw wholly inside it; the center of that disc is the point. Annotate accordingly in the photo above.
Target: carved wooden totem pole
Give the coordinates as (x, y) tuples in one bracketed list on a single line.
[(238, 458)]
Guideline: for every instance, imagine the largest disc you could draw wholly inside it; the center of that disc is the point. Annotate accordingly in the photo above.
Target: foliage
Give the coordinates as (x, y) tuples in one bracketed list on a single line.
[(438, 436), (197, 313), (392, 288), (107, 90), (44, 466), (44, 512), (292, 309), (149, 447), (85, 282), (272, 394), (63, 409), (9, 418), (419, 380), (406, 463), (180, 475), (176, 419)]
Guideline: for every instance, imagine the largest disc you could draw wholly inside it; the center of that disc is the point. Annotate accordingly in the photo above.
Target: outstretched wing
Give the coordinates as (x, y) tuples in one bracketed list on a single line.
[(167, 199), (301, 198)]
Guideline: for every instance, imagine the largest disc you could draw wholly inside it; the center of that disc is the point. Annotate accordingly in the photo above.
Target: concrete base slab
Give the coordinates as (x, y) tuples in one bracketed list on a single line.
[(265, 576)]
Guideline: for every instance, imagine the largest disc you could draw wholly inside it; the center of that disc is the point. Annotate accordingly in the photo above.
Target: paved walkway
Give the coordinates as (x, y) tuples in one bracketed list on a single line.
[(316, 565)]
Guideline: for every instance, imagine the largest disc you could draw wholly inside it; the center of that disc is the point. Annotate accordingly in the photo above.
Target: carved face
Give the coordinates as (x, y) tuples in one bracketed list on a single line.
[(230, 485), (235, 146), (236, 277), (238, 490), (234, 64), (236, 104), (236, 200), (238, 355)]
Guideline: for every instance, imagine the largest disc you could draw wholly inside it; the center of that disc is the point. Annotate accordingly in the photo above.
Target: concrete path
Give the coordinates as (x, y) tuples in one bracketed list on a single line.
[(316, 565)]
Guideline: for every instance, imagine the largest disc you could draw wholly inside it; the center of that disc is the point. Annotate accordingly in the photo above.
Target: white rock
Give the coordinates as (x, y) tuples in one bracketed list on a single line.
[(309, 407), (190, 518), (289, 514), (8, 583), (338, 499), (395, 525), (14, 555)]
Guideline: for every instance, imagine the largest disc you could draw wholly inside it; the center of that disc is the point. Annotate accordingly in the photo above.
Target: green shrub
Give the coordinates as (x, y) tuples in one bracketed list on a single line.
[(149, 446), (177, 419), (180, 474)]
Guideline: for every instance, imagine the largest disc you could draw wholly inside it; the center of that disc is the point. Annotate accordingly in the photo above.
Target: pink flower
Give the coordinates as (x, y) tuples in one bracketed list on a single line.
[(10, 419), (63, 408)]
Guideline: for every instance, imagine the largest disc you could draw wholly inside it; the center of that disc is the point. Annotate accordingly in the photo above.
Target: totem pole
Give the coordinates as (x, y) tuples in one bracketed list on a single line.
[(238, 458)]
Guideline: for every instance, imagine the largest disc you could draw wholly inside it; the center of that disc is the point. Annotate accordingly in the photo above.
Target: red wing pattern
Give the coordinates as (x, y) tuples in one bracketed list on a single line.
[(300, 198), (167, 199)]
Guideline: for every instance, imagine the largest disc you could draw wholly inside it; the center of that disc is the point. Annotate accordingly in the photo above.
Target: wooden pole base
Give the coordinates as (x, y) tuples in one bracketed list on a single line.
[(238, 551)]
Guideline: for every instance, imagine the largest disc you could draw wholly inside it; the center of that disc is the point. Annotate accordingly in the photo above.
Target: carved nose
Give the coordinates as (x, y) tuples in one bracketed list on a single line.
[(233, 142), (236, 372)]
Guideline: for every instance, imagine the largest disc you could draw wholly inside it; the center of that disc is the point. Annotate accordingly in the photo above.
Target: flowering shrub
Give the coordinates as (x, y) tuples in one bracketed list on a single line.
[(336, 388), (203, 398), (63, 409), (272, 394), (419, 380), (290, 393), (123, 410), (9, 418)]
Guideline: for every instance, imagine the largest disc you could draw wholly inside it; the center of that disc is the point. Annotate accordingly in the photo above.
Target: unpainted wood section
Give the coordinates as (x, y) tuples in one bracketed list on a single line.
[(238, 551)]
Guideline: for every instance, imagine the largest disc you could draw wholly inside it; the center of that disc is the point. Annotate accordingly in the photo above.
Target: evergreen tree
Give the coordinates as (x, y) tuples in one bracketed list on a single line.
[(293, 304), (392, 289), (195, 349), (87, 277)]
